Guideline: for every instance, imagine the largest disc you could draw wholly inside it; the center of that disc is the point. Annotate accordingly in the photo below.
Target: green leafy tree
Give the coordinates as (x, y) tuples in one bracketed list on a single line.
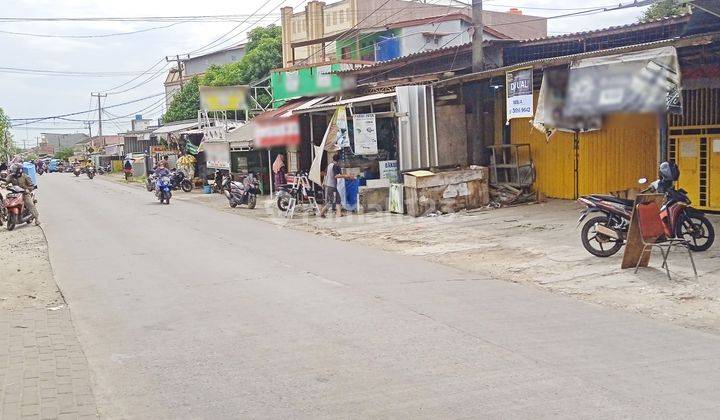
[(664, 8), (185, 103), (65, 153), (6, 143), (263, 52)]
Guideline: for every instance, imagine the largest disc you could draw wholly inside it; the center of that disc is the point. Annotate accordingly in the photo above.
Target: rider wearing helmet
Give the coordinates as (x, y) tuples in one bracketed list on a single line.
[(17, 178)]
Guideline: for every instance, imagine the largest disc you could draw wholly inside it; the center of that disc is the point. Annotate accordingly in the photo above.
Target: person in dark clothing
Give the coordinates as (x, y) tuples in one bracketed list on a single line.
[(332, 196), (279, 171)]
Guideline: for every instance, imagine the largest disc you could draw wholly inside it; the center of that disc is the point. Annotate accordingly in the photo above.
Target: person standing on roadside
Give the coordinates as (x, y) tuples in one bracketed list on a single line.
[(279, 171), (332, 196)]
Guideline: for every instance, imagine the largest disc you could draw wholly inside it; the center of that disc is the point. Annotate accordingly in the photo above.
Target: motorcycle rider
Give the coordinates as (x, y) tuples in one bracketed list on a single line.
[(17, 178)]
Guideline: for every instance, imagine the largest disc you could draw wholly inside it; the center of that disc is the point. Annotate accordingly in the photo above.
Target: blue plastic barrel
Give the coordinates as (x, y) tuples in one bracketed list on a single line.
[(207, 189)]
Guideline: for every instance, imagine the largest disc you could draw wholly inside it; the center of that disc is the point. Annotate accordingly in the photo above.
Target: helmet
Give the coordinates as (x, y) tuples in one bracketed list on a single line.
[(669, 171), (16, 170)]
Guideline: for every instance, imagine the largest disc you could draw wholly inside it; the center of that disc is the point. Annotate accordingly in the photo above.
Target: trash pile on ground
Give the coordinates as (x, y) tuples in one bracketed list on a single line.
[(502, 195)]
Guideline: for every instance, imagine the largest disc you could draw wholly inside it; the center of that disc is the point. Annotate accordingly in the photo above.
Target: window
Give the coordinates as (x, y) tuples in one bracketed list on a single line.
[(341, 16), (346, 53), (327, 19), (335, 18)]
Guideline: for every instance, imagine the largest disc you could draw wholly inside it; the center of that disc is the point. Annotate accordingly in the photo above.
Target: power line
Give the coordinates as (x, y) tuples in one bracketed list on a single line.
[(38, 119), (126, 18), (69, 73), (137, 77), (218, 40)]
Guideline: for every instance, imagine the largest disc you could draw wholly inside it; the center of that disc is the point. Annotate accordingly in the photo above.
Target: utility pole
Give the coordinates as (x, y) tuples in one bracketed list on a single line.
[(477, 38), (176, 59), (99, 95), (89, 128)]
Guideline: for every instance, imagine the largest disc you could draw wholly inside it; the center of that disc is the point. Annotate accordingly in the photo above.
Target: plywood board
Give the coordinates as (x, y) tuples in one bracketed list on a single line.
[(634, 243)]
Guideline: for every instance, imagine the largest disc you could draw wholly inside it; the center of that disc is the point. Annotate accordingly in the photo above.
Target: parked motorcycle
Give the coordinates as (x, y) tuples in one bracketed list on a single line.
[(604, 234), (178, 180), (14, 205), (3, 210), (301, 189), (163, 189), (245, 192), (90, 172)]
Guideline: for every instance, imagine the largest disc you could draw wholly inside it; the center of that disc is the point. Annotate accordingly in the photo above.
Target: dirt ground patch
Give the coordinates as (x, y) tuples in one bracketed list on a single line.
[(26, 278)]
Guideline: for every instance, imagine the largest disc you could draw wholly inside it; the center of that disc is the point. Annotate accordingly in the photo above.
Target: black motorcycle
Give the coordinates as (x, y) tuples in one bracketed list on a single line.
[(179, 181), (244, 192), (90, 172), (605, 232)]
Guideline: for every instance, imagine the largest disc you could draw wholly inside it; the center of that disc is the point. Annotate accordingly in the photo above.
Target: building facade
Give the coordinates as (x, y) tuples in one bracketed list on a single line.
[(310, 36)]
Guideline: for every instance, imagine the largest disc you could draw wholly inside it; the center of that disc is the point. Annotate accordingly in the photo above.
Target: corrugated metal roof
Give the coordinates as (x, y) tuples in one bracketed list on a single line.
[(653, 22), (555, 61)]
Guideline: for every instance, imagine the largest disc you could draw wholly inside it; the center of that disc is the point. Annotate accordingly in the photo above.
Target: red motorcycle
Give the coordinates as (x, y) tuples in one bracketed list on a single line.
[(14, 204), (604, 234)]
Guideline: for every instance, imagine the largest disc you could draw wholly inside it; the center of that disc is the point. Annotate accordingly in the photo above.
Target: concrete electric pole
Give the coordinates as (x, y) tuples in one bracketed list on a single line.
[(177, 60), (477, 38), (99, 95)]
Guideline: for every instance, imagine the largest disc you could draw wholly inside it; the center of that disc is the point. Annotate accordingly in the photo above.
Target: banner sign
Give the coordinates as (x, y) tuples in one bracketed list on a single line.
[(519, 93), (550, 112), (366, 142), (342, 140), (277, 132), (389, 170), (217, 154), (223, 98), (637, 82)]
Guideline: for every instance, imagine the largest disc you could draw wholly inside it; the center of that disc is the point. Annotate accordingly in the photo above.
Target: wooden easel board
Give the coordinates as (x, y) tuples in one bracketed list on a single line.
[(633, 243)]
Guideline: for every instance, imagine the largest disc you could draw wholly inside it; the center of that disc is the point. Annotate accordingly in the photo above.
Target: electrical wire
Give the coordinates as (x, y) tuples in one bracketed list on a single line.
[(69, 73), (138, 76), (152, 77), (207, 18), (219, 39), (37, 119)]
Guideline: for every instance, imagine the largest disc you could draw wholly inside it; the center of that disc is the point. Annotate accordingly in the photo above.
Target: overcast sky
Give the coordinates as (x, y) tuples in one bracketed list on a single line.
[(26, 95)]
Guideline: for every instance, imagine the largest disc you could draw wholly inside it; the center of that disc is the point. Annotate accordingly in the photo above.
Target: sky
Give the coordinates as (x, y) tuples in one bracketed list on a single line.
[(122, 58)]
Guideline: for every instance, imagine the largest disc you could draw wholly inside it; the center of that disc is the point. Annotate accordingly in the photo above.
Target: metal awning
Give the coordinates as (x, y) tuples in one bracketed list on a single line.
[(172, 128), (367, 99), (242, 137)]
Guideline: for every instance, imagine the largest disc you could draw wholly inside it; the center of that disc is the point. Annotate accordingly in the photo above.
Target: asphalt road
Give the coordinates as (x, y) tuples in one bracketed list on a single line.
[(188, 312)]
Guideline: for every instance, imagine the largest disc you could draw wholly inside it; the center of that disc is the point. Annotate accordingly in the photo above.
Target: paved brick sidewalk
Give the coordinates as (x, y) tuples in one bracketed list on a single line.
[(43, 371)]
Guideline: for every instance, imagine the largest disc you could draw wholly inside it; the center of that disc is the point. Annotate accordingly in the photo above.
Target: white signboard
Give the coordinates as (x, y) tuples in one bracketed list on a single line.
[(292, 81), (519, 93), (324, 78), (389, 170), (366, 142), (217, 155)]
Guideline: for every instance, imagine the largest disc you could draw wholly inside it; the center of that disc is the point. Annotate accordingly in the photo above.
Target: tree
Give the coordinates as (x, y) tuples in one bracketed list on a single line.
[(6, 143), (263, 52), (65, 153), (185, 103), (664, 8)]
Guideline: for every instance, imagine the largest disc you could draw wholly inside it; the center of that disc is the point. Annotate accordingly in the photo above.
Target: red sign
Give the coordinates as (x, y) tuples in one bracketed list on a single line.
[(277, 132)]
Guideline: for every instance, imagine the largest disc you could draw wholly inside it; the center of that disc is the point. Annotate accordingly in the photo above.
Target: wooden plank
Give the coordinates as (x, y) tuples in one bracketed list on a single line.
[(633, 243)]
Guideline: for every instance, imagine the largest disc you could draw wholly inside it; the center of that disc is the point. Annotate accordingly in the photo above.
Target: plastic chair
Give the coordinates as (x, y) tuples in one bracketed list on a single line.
[(652, 232)]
